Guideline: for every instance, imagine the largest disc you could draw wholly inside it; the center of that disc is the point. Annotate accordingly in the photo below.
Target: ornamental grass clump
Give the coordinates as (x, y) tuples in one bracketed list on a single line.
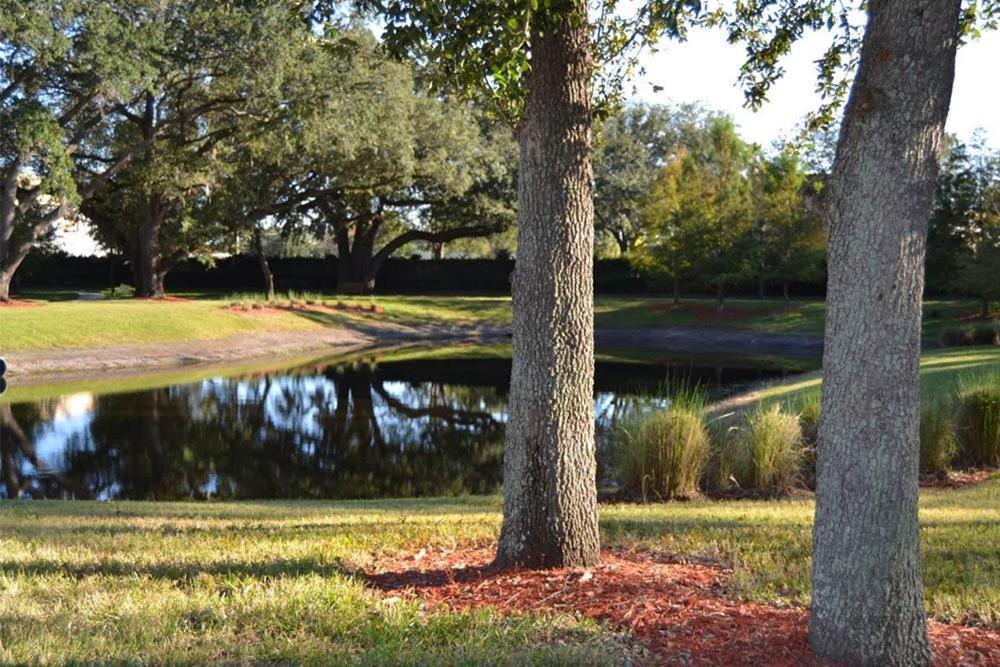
[(977, 420), (662, 455), (765, 454), (938, 444)]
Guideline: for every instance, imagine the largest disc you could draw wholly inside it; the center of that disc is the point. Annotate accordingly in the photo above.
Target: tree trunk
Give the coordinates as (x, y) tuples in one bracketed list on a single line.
[(986, 309), (677, 291), (550, 485), (867, 605), (784, 291), (720, 298), (258, 243), (437, 250), (148, 273), (353, 276), (761, 289)]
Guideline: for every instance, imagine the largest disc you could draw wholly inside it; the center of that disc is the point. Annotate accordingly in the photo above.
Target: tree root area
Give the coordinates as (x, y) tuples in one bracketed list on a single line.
[(679, 612)]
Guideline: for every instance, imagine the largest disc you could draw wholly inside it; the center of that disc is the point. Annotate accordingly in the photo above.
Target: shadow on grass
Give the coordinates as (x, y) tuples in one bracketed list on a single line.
[(297, 567)]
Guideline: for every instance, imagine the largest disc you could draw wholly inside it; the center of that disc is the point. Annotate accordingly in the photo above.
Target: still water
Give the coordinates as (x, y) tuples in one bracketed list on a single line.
[(373, 426)]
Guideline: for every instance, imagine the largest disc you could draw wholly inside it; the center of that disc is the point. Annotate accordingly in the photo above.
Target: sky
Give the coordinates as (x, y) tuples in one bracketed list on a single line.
[(705, 68)]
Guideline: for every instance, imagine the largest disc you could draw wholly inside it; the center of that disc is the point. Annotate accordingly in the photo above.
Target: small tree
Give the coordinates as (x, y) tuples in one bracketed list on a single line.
[(698, 215), (631, 148), (789, 242)]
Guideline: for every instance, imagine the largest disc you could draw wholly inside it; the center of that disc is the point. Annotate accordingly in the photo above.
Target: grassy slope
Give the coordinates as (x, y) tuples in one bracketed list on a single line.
[(941, 371), (191, 583), (66, 324), (76, 324)]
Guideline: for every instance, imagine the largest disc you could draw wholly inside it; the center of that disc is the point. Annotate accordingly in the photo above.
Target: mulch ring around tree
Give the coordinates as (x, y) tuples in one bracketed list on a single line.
[(704, 313), (679, 612), (19, 304)]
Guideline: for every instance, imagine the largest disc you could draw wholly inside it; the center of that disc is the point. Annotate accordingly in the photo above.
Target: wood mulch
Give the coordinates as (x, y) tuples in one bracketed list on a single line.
[(13, 303), (679, 612), (958, 479)]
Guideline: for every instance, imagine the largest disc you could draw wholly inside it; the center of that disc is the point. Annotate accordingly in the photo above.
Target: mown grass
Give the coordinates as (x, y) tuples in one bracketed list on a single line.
[(58, 323), (94, 324), (272, 581), (941, 373)]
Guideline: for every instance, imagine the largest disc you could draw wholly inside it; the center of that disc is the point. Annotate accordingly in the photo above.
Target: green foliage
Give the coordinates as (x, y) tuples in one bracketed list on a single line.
[(629, 149), (964, 236), (765, 453), (697, 217), (481, 49), (788, 242), (978, 420), (662, 455), (216, 78), (938, 444)]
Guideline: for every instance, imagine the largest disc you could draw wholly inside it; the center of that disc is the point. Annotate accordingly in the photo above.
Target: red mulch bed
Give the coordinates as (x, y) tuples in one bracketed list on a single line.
[(978, 316), (20, 304), (315, 308), (957, 479), (707, 313), (679, 611)]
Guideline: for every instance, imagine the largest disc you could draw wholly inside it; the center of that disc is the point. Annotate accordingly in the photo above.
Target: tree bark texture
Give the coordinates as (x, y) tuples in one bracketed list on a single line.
[(867, 606), (550, 489), (265, 267), (149, 274)]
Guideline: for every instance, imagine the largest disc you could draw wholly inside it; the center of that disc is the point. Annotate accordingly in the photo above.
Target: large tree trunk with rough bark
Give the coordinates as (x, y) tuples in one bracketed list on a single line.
[(265, 267), (550, 489), (149, 273), (867, 606)]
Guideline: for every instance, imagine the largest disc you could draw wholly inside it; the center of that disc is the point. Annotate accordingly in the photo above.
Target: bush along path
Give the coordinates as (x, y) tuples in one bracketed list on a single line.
[(678, 612)]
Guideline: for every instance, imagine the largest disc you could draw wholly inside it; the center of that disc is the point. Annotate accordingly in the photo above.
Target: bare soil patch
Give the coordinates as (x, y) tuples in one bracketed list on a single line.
[(679, 611)]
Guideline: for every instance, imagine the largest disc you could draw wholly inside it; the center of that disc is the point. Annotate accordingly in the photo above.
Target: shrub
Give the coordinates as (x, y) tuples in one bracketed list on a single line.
[(978, 420), (122, 291), (662, 455), (957, 337), (938, 444), (986, 334), (765, 453), (980, 334)]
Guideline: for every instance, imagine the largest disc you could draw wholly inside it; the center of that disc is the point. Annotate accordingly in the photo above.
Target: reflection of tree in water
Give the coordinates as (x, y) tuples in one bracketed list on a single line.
[(355, 430), (344, 432)]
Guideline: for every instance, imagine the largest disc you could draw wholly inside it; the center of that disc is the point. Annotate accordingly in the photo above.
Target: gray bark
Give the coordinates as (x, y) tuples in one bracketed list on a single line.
[(867, 606), (265, 267), (550, 489), (149, 273)]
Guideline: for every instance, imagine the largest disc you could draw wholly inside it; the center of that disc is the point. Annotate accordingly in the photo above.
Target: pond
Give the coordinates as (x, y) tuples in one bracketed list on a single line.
[(390, 424)]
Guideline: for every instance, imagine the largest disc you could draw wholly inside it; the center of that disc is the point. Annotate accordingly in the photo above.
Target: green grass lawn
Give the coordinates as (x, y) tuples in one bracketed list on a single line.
[(58, 323), (186, 583), (941, 372)]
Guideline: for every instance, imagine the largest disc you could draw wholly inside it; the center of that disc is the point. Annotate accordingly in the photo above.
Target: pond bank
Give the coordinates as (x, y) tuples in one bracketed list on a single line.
[(354, 335), (48, 364)]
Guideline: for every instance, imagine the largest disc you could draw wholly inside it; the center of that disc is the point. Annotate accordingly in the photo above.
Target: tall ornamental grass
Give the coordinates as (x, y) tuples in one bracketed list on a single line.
[(765, 453), (662, 455), (977, 420), (938, 444)]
